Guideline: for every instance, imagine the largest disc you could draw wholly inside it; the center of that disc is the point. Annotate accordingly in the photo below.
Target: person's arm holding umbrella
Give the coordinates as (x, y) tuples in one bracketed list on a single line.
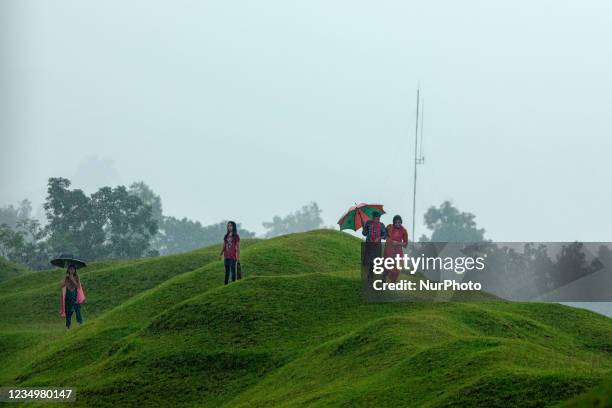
[(366, 229), (383, 232)]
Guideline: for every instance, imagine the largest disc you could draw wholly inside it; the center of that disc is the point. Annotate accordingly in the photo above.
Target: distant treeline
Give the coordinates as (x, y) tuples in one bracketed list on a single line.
[(128, 222), (116, 222)]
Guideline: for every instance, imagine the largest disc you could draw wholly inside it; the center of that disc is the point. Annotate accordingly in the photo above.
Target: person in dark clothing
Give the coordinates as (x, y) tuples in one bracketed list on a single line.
[(230, 251), (375, 232), (71, 283)]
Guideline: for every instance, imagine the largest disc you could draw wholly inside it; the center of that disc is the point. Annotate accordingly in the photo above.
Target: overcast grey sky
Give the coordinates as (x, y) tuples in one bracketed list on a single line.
[(244, 110)]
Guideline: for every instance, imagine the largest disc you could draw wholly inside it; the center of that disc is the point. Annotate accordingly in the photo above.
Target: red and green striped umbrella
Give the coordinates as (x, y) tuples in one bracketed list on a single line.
[(357, 215)]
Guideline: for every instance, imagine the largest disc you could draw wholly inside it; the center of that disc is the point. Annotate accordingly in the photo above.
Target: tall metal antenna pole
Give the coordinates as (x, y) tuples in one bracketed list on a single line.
[(416, 157), (421, 158)]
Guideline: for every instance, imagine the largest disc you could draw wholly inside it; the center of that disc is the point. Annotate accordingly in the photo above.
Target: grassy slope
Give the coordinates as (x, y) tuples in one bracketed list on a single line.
[(10, 270), (294, 332), (600, 397)]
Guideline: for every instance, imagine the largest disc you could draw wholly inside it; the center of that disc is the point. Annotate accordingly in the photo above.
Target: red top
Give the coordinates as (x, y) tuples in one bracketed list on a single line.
[(397, 234), (230, 246), (375, 231)]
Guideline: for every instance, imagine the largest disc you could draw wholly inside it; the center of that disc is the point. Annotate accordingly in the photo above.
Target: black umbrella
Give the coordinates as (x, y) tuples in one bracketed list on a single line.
[(64, 260)]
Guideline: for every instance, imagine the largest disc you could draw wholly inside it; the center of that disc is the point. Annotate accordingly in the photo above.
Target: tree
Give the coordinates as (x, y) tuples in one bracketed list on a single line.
[(11, 215), (11, 243), (305, 219), (25, 244), (129, 224), (22, 239), (572, 264), (180, 235), (74, 225), (148, 196), (111, 223), (177, 235), (448, 224)]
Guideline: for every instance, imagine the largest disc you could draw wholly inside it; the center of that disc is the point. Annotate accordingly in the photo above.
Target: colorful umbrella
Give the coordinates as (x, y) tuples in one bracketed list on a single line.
[(358, 214)]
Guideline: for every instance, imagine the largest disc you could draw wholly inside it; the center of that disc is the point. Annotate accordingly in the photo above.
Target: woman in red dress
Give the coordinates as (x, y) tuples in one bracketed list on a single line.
[(397, 240)]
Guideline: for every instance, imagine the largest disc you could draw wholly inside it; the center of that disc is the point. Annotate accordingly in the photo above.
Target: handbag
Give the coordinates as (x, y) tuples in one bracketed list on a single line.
[(238, 270), (80, 295)]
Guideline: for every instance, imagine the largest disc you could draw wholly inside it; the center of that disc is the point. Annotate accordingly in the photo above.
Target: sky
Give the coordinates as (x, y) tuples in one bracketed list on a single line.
[(244, 110)]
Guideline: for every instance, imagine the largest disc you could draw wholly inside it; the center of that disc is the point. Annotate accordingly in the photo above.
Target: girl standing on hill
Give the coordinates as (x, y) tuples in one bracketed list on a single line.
[(397, 240), (231, 250), (70, 288)]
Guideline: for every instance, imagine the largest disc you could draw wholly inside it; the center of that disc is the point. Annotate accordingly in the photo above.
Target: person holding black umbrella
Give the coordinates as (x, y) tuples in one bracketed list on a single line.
[(72, 283), (72, 290)]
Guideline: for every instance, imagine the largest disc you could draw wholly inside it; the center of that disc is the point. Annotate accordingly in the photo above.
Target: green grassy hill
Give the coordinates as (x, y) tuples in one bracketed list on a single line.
[(9, 270), (166, 331)]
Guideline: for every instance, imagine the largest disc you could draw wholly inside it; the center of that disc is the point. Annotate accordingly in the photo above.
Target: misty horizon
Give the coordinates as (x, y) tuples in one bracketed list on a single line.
[(280, 105)]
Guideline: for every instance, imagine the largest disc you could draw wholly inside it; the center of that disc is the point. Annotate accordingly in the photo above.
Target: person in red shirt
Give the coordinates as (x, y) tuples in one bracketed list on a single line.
[(397, 240), (230, 251)]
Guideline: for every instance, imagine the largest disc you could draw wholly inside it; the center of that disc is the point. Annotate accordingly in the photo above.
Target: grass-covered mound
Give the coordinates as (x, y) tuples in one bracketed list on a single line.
[(10, 270), (599, 397), (293, 332)]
